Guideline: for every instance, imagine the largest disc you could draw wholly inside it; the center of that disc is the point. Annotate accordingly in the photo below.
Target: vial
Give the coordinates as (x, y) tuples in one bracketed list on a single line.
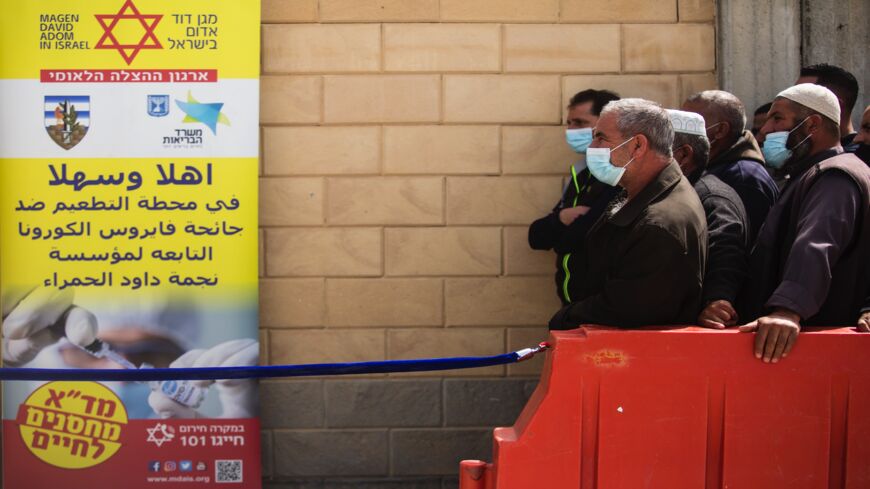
[(183, 392)]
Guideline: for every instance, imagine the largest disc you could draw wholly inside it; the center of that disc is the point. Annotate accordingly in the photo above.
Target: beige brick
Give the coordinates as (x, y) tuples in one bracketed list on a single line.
[(326, 346), (659, 88), (501, 98), (282, 11), (562, 48), (520, 259), (500, 200), (443, 251), (434, 343), (378, 10), (385, 200), (692, 84), (292, 303), (323, 252), (290, 99), (620, 11), (500, 10), (442, 47), (382, 98), (261, 241), (677, 47), (321, 48), (536, 150), (264, 347), (322, 150), (291, 201), (519, 338), (520, 301), (441, 149), (696, 10), (384, 302)]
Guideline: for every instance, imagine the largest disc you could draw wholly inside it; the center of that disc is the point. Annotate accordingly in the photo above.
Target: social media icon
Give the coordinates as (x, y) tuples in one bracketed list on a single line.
[(169, 466), (154, 466), (201, 466), (185, 466)]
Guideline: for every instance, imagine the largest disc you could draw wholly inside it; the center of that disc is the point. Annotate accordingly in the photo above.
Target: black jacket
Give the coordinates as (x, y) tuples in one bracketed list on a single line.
[(742, 168), (727, 239), (548, 232), (644, 264)]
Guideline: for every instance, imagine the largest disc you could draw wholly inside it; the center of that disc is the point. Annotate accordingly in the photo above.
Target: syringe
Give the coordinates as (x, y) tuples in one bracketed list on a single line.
[(101, 350), (183, 392)]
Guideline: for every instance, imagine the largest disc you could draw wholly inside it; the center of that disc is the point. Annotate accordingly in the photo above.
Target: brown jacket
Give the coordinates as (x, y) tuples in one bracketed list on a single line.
[(644, 265)]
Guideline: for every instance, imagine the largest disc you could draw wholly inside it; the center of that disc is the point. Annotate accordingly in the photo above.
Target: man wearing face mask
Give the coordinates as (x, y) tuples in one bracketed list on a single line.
[(844, 85), (734, 153), (727, 224), (644, 258), (811, 264), (583, 199)]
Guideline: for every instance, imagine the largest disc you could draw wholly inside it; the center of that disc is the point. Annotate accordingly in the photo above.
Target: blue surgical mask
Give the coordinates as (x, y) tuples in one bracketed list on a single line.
[(579, 139), (774, 149), (598, 162)]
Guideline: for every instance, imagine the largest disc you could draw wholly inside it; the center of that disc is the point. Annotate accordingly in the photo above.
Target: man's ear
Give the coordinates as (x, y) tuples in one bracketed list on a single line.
[(813, 123), (721, 131), (684, 155), (639, 146)]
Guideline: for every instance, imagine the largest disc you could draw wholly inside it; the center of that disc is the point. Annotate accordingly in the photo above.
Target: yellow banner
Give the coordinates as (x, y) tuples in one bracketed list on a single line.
[(130, 34), (110, 227)]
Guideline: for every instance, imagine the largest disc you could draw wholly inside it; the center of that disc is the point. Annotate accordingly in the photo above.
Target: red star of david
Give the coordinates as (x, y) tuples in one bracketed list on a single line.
[(128, 51)]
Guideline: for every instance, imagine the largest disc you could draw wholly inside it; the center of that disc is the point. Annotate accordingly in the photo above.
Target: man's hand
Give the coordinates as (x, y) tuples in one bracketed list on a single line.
[(776, 334), (864, 322), (568, 215), (717, 315)]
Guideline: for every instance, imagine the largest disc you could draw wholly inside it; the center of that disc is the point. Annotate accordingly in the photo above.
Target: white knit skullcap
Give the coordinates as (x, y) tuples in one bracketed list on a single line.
[(687, 122), (816, 98)]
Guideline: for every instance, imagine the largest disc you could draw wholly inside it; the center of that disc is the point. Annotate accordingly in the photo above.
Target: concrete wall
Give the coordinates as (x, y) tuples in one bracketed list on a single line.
[(407, 145), (838, 32), (762, 44)]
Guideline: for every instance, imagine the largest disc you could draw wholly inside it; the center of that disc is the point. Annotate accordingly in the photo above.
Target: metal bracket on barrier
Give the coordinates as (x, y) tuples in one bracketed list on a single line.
[(529, 353)]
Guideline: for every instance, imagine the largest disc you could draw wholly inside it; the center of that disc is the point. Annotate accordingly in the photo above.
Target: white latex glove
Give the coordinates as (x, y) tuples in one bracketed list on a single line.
[(35, 319), (236, 396)]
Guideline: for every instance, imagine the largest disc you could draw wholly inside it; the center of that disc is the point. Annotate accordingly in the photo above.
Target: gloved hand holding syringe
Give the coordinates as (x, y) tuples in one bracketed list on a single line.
[(36, 319), (182, 392)]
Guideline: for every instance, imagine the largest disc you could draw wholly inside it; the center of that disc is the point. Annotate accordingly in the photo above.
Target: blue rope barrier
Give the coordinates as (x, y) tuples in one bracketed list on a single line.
[(265, 372)]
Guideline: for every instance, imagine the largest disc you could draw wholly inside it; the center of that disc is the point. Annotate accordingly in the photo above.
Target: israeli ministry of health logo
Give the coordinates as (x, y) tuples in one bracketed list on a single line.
[(158, 105)]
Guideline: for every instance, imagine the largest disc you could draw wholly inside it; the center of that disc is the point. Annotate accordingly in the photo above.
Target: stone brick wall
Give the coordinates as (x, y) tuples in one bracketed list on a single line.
[(407, 145)]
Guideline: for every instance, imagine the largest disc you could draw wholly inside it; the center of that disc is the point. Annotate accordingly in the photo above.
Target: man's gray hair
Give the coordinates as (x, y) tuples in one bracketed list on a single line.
[(638, 116), (700, 147), (723, 107)]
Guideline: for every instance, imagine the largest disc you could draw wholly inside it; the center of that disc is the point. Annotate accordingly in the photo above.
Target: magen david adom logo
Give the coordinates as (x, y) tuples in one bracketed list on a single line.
[(67, 118), (72, 425)]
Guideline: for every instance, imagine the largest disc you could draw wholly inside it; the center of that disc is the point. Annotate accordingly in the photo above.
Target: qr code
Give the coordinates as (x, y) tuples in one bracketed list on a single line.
[(228, 471)]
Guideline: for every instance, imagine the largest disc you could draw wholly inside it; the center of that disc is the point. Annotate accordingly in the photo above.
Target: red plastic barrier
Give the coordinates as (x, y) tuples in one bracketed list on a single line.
[(691, 408)]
